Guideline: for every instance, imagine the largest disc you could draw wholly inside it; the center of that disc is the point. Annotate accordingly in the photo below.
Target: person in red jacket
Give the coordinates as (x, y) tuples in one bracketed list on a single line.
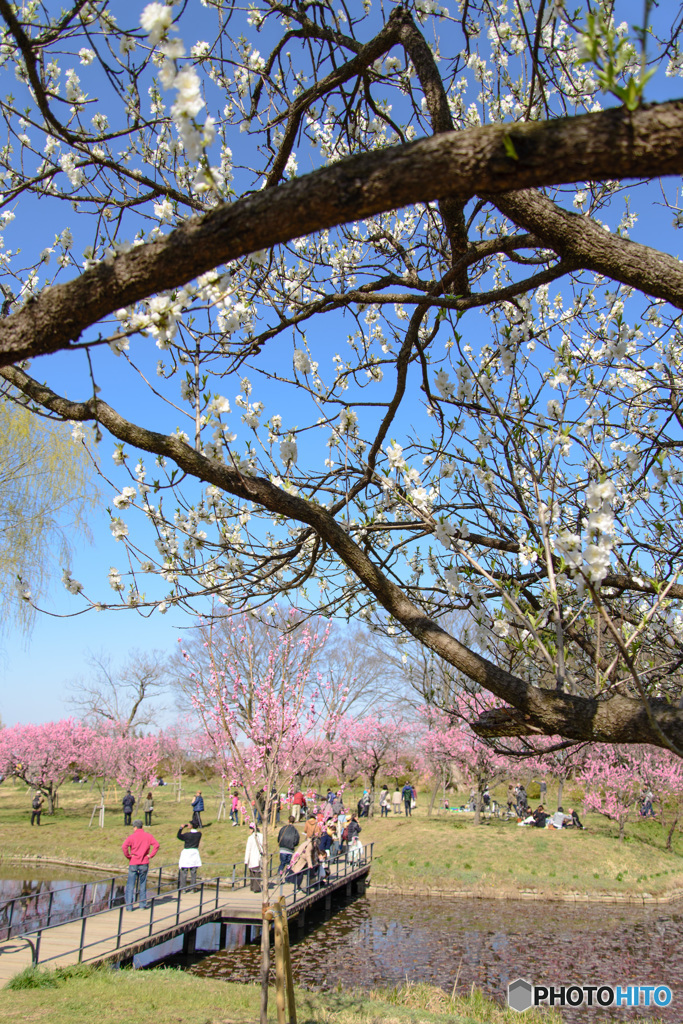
[(138, 849)]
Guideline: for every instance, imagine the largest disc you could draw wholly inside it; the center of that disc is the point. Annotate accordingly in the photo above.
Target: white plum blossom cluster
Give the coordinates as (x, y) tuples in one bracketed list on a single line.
[(592, 555), (156, 19)]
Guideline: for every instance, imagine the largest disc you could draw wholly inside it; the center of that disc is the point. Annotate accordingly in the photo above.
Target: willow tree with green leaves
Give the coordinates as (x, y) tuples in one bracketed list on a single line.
[(48, 487), (378, 307)]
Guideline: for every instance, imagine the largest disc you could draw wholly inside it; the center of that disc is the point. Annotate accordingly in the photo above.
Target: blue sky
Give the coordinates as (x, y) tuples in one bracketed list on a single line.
[(36, 670)]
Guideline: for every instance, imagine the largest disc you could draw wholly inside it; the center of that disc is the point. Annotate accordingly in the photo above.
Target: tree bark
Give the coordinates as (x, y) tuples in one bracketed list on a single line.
[(488, 160)]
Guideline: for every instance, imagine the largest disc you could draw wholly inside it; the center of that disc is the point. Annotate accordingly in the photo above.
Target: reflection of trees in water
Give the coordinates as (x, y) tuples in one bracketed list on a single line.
[(34, 899)]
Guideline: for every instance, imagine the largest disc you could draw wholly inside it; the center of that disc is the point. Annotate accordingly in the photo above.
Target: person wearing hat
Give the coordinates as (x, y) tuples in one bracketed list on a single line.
[(189, 855), (138, 849)]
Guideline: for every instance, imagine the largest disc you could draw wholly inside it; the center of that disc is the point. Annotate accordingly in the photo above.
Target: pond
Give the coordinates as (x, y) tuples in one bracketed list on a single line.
[(384, 940), (29, 894)]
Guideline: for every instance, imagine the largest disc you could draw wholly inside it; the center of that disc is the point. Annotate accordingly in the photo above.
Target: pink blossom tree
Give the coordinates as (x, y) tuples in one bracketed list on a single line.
[(480, 763), (131, 761), (44, 756), (438, 748), (614, 782), (261, 723), (373, 744)]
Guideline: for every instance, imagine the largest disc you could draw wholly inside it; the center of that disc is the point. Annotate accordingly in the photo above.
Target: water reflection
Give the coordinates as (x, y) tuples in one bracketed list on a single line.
[(383, 940), (27, 903)]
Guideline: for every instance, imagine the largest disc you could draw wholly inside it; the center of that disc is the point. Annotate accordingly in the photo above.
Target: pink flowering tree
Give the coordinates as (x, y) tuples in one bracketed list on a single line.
[(438, 748), (44, 756), (480, 763), (373, 744), (261, 723), (131, 761), (614, 781), (137, 761), (662, 772)]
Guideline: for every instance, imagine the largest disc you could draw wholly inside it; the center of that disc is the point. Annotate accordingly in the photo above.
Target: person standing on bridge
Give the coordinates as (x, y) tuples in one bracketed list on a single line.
[(189, 856), (288, 839), (252, 857), (138, 849)]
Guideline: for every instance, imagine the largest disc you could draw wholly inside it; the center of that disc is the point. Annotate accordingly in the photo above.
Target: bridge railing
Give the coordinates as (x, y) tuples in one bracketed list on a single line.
[(27, 913), (210, 898)]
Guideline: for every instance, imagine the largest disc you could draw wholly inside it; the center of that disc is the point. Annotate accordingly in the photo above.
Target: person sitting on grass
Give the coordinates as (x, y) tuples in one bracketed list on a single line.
[(575, 822), (540, 817), (560, 819)]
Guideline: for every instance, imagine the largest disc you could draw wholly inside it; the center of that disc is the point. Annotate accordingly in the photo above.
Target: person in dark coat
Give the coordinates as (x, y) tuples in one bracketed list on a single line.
[(128, 805), (197, 808)]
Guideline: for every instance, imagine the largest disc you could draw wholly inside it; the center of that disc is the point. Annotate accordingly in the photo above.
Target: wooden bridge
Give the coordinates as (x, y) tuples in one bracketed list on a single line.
[(116, 935)]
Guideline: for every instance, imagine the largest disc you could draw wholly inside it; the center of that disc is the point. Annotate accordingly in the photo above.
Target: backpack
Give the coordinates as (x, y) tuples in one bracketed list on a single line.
[(36, 803)]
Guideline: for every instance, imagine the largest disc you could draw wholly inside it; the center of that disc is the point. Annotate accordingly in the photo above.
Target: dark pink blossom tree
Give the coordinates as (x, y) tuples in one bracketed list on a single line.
[(615, 779)]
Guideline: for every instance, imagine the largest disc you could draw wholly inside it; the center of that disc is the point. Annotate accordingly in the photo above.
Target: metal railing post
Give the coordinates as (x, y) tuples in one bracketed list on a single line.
[(159, 882), (9, 920), (36, 950), (49, 907), (118, 930), (218, 882), (111, 891), (151, 914), (82, 942), (83, 890), (201, 896), (233, 875)]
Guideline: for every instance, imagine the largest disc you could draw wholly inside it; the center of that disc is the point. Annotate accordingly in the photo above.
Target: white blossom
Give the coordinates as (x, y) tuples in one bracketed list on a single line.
[(156, 19)]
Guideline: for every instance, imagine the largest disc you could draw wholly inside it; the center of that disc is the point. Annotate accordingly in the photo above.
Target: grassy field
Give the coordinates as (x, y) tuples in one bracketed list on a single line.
[(170, 996), (445, 851)]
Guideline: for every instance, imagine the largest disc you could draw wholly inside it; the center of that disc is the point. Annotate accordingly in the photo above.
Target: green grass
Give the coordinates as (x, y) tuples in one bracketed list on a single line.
[(444, 851), (102, 996)]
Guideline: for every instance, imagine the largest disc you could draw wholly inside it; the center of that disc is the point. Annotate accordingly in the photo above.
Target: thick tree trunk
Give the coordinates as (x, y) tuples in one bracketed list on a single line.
[(670, 834), (437, 785), (560, 789)]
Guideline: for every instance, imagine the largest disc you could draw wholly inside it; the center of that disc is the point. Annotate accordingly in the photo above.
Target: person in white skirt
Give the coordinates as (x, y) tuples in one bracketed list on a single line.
[(189, 855), (252, 857)]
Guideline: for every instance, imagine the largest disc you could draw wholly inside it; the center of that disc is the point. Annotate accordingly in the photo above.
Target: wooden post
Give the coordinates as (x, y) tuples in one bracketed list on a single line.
[(279, 964), (287, 960)]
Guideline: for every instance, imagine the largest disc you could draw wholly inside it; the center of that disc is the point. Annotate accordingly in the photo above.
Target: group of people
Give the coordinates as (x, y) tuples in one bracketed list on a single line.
[(305, 859), (141, 846), (540, 818), (129, 802), (406, 798)]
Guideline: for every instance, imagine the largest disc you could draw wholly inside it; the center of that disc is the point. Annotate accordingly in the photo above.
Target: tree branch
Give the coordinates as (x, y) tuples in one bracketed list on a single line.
[(609, 144)]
